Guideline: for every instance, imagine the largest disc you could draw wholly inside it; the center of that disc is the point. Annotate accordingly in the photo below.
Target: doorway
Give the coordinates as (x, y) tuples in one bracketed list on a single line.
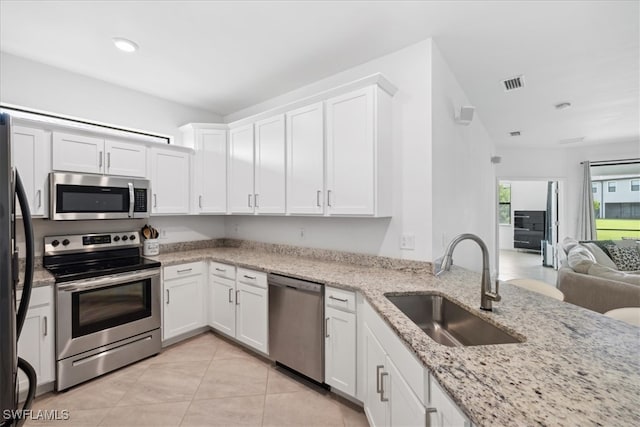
[(528, 228)]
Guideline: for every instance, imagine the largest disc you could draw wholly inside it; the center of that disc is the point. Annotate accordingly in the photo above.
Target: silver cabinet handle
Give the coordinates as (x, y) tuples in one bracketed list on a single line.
[(108, 160), (100, 159), (186, 270), (249, 201), (200, 201), (237, 299), (338, 299), (326, 327), (230, 290), (155, 200), (221, 269), (382, 398), (328, 197), (255, 200), (250, 277), (46, 327), (168, 297), (378, 368), (131, 199), (39, 198), (318, 193), (427, 421)]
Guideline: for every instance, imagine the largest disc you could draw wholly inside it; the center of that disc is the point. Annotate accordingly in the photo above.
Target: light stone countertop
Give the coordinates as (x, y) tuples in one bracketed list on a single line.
[(576, 367)]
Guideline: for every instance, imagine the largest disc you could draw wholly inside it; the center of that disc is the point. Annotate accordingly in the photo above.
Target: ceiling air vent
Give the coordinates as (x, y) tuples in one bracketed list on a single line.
[(513, 83), (515, 133)]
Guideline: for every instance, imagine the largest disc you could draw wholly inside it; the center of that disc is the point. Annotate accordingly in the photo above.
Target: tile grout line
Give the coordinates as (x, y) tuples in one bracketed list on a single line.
[(264, 400), (193, 398)]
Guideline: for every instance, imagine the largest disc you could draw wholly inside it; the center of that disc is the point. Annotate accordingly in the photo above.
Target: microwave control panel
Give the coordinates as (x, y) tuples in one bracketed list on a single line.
[(140, 200)]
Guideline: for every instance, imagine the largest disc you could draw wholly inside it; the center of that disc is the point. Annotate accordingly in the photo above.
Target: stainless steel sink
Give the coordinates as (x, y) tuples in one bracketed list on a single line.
[(449, 324)]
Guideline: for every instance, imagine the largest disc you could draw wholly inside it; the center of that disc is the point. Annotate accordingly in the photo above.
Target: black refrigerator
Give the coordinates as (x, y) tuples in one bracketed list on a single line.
[(12, 412)]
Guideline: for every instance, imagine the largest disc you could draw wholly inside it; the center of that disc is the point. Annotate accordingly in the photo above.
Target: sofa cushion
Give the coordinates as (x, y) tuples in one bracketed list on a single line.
[(611, 274), (568, 243), (580, 259), (625, 258), (601, 257)]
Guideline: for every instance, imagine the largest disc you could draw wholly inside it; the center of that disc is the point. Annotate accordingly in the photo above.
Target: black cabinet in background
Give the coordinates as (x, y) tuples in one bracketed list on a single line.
[(528, 229)]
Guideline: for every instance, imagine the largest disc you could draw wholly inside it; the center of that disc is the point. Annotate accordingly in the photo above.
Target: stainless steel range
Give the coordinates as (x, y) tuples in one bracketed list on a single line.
[(107, 303)]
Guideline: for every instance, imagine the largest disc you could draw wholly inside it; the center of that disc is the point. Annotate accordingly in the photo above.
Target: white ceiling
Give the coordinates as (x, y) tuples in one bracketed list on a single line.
[(225, 56)]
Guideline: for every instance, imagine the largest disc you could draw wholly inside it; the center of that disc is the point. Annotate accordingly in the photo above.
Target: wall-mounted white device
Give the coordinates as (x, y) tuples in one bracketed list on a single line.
[(466, 115)]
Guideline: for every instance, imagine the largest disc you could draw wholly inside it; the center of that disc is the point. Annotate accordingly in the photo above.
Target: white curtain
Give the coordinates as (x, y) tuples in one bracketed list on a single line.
[(586, 215)]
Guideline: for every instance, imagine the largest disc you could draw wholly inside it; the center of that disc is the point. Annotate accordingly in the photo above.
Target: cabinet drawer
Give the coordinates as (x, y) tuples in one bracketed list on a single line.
[(251, 277), (223, 270), (182, 270), (339, 298), (42, 295)]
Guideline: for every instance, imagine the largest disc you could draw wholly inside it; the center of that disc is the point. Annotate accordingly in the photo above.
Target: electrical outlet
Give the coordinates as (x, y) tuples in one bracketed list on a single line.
[(408, 241), (236, 229), (163, 234), (301, 233)]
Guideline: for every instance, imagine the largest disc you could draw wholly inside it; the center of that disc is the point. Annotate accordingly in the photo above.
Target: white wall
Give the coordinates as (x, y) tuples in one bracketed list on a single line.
[(35, 85), (525, 195), (563, 164), (462, 173), (409, 70), (39, 86)]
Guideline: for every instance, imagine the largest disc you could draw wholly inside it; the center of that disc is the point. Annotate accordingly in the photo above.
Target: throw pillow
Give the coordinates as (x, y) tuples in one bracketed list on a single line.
[(580, 259), (600, 255), (626, 259)]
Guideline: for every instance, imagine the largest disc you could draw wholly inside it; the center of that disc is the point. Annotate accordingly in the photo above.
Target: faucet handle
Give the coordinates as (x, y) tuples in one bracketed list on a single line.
[(495, 296)]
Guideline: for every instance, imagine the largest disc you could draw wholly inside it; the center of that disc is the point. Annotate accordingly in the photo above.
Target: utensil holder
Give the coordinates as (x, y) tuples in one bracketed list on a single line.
[(151, 247)]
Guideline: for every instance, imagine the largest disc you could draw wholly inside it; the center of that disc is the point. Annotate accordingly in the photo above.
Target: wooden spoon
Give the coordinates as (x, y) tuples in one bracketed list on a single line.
[(146, 232)]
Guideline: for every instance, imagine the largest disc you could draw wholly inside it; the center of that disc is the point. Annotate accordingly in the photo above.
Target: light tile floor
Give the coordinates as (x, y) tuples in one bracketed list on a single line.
[(521, 265), (204, 381)]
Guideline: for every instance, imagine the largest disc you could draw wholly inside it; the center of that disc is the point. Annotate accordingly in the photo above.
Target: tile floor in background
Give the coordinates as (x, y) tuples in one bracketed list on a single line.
[(520, 265), (204, 381)]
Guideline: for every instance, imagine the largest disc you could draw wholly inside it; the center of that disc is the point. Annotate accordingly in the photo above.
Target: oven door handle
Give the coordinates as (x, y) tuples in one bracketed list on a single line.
[(131, 199), (103, 282)]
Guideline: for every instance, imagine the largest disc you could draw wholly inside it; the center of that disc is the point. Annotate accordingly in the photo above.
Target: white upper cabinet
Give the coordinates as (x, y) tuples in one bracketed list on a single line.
[(240, 184), (211, 170), (170, 181), (77, 153), (269, 197), (125, 159), (31, 150), (358, 162), (305, 165), (90, 154)]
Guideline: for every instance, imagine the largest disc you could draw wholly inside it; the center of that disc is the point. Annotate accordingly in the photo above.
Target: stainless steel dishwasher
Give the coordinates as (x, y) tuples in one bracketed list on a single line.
[(296, 325)]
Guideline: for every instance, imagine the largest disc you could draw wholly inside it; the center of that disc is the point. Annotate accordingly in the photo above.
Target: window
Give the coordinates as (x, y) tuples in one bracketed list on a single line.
[(635, 185), (594, 188), (504, 206), (611, 186)]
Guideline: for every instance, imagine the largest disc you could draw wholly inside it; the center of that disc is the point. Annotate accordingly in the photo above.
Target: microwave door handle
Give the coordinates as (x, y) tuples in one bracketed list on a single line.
[(131, 199)]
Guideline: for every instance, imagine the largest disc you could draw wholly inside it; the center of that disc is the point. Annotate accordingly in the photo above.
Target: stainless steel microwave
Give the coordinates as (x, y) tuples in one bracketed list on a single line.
[(80, 196)]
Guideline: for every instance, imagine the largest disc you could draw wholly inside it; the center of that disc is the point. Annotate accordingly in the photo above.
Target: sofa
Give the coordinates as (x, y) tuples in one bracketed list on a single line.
[(590, 277)]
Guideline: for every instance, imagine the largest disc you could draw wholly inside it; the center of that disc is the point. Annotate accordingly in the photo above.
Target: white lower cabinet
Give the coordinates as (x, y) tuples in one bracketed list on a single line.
[(36, 343), (239, 304), (399, 391), (340, 341), (183, 299)]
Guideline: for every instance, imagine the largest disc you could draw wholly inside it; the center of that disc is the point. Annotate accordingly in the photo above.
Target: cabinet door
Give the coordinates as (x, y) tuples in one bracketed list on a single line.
[(240, 184), (269, 165), (183, 305), (340, 350), (252, 316), (375, 360), (170, 181), (211, 172), (77, 153), (305, 160), (125, 158), (351, 153), (222, 305), (36, 344), (447, 413), (31, 150), (405, 409)]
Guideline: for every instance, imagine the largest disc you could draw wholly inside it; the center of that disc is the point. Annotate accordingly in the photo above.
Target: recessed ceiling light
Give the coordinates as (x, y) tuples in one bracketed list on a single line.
[(571, 140), (515, 133), (125, 45), (563, 105)]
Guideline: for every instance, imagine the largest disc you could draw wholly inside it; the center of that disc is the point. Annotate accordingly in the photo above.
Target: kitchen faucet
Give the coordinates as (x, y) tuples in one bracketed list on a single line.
[(444, 264)]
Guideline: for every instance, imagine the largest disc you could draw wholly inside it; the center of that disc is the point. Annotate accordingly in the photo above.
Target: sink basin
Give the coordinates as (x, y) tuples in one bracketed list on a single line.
[(449, 324)]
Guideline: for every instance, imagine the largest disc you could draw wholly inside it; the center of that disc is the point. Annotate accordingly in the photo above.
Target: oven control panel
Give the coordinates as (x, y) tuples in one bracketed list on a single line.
[(84, 242)]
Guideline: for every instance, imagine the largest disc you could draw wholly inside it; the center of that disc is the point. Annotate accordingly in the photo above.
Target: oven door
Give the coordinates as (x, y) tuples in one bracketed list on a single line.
[(99, 311), (77, 196)]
